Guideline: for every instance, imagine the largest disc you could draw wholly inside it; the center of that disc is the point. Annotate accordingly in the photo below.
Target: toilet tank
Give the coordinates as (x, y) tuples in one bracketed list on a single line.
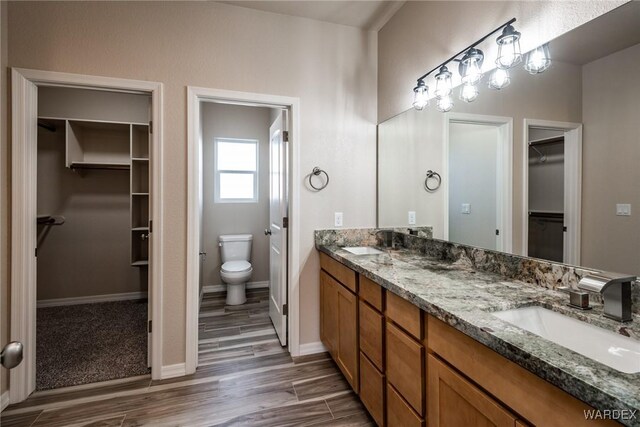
[(235, 247)]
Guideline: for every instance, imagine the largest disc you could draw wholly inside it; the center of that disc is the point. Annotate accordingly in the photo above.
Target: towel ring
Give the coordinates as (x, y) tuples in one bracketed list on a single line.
[(316, 172), (434, 175)]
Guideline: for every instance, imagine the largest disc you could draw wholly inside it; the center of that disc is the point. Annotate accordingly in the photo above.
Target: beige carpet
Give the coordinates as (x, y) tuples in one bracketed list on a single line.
[(80, 344)]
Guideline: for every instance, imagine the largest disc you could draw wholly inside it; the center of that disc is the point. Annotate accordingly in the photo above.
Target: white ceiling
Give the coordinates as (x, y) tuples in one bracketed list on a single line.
[(365, 14)]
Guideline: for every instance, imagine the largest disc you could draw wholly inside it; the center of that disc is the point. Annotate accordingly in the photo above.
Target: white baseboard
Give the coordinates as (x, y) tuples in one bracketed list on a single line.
[(172, 371), (223, 287), (4, 400), (91, 299), (312, 348)]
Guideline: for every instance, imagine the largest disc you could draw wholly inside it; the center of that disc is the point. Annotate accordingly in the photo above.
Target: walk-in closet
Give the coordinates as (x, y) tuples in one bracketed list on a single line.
[(93, 193)]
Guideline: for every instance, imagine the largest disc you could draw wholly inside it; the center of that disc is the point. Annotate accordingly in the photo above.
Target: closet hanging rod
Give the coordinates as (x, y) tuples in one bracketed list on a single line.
[(546, 214), (47, 126), (544, 141), (105, 166)]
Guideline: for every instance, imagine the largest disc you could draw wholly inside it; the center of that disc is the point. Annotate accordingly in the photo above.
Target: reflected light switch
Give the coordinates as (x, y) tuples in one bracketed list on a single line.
[(466, 208), (623, 209)]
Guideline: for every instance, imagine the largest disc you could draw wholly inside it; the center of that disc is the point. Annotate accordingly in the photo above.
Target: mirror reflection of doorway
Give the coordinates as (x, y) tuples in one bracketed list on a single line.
[(478, 191)]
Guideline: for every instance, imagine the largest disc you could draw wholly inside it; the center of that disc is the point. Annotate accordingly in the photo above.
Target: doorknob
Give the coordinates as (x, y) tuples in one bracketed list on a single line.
[(267, 232), (11, 355)]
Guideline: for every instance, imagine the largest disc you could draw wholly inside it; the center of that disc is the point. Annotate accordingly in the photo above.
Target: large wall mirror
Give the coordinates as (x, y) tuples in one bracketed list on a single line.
[(548, 166)]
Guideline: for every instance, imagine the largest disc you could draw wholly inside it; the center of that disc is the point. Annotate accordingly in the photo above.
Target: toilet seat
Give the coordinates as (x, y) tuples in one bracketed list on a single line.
[(236, 266)]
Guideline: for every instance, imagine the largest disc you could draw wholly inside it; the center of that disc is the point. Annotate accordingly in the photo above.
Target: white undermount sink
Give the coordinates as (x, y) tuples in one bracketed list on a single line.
[(607, 347), (363, 250)]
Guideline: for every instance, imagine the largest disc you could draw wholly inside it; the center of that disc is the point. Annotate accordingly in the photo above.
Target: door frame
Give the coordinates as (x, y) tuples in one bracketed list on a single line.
[(572, 186), (24, 111), (195, 97), (505, 172)]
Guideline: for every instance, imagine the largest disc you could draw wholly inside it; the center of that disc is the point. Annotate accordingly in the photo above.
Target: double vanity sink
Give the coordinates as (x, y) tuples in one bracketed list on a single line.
[(591, 357)]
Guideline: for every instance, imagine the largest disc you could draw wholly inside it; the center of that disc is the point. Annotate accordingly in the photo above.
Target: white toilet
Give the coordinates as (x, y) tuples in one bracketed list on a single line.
[(235, 250)]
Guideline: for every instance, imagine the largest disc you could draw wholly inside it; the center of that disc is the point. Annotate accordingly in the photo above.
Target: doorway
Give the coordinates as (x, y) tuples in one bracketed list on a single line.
[(552, 188), (30, 226), (477, 180), (259, 198)]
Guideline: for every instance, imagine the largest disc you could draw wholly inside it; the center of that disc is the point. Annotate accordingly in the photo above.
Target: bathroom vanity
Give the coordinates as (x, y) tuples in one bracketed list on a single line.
[(414, 331)]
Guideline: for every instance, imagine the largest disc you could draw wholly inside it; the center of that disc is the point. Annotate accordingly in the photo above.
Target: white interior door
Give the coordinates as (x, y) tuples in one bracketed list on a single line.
[(277, 231)]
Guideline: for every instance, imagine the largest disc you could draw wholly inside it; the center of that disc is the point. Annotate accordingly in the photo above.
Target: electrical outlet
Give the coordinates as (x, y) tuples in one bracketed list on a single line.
[(466, 208), (412, 218), (623, 209), (337, 219)]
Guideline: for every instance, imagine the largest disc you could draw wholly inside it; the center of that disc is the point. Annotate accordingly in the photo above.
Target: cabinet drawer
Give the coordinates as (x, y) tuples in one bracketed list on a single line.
[(372, 389), (343, 274), (405, 366), (399, 413), (454, 401), (371, 292), (405, 314), (372, 334)]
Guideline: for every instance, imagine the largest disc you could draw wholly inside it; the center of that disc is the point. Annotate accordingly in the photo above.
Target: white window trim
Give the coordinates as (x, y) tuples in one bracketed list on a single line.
[(217, 172)]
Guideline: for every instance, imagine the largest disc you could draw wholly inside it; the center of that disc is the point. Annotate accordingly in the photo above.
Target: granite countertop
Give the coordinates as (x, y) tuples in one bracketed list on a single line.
[(465, 298)]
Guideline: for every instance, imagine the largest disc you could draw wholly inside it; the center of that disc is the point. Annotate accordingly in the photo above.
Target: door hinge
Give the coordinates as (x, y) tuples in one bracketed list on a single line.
[(36, 252), (497, 232), (150, 226), (151, 126), (149, 327), (285, 136), (285, 222), (564, 228), (285, 309)]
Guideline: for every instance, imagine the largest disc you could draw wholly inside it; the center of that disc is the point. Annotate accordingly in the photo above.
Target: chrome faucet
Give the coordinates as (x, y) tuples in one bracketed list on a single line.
[(616, 292)]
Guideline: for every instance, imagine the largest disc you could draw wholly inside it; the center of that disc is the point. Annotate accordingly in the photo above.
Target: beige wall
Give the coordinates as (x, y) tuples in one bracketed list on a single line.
[(331, 68), (233, 121), (611, 155), (4, 191)]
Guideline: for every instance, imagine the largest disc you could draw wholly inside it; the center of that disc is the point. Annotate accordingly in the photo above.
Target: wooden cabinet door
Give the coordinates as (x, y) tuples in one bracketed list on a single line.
[(372, 389), (347, 329), (400, 413), (454, 401), (329, 313), (372, 334)]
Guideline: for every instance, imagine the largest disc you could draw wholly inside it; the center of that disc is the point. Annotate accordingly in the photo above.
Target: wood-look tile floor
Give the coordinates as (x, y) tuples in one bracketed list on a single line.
[(244, 378)]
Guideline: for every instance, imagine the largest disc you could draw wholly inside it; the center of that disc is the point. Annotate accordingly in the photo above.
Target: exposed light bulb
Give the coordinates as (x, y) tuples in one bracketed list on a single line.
[(444, 104), (508, 48), (499, 79), (420, 95), (469, 93), (538, 60), (470, 67), (444, 86)]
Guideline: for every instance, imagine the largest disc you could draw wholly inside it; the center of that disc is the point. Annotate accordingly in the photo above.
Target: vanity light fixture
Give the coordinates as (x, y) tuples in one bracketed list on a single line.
[(470, 67), (444, 86), (508, 48), (444, 104), (468, 92), (538, 60), (420, 95), (499, 79)]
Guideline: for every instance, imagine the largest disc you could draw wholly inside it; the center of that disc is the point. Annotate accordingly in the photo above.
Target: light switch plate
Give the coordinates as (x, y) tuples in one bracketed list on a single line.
[(466, 208), (337, 219), (412, 217), (623, 209)]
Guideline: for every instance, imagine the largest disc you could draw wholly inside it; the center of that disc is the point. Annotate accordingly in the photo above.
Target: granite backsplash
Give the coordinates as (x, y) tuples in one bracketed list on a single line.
[(539, 272)]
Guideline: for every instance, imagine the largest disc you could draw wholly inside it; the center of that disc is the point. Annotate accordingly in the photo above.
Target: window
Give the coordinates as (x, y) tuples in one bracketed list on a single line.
[(236, 170)]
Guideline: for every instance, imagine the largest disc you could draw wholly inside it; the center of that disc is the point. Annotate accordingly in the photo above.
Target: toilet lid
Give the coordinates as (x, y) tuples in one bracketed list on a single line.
[(236, 266)]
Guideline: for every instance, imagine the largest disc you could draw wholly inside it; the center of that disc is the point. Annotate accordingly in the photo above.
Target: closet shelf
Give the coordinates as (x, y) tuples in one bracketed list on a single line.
[(94, 165), (543, 141), (140, 159), (140, 194), (141, 263)]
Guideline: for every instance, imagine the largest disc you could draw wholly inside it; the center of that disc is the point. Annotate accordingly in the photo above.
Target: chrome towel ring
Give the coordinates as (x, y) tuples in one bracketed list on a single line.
[(434, 175), (317, 172)]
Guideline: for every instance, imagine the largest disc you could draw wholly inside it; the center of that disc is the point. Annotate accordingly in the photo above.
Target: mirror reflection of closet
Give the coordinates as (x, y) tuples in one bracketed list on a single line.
[(546, 194)]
